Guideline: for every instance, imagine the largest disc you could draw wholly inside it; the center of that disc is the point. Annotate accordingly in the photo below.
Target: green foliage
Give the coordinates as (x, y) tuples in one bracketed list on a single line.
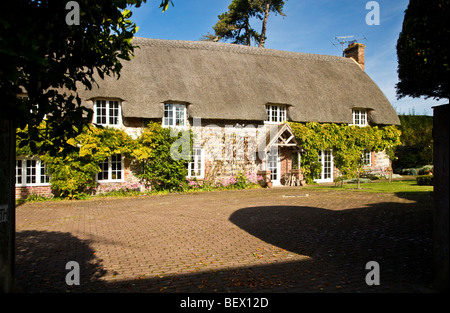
[(423, 50), (47, 59), (347, 143), (73, 170), (235, 25), (163, 168), (417, 142), (425, 180)]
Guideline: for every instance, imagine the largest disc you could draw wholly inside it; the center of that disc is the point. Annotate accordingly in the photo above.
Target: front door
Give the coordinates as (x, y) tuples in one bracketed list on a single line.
[(273, 164)]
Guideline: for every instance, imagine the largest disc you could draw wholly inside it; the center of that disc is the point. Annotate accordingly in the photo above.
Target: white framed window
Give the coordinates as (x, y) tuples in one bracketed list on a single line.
[(107, 112), (196, 166), (111, 169), (360, 117), (276, 114), (367, 158), (31, 172), (174, 115), (326, 160)]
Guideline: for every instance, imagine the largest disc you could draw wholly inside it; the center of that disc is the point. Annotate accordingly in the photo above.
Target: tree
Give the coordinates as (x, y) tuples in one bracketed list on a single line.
[(417, 142), (235, 23), (47, 60), (423, 50), (48, 50), (269, 6)]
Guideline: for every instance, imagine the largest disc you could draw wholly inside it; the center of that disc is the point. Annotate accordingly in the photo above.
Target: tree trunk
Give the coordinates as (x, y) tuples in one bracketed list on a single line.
[(247, 31), (264, 25), (358, 181), (7, 204)]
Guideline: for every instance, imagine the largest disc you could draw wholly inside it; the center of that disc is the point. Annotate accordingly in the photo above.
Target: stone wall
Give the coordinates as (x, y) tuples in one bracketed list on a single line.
[(228, 148)]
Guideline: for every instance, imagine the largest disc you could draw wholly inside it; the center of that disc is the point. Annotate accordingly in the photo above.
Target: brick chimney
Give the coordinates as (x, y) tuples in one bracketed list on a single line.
[(356, 51)]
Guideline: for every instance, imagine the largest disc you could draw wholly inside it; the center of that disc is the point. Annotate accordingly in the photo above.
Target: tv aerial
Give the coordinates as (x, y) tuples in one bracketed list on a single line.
[(342, 40)]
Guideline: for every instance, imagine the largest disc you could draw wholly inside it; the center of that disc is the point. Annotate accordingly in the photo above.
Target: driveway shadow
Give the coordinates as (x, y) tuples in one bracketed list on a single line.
[(340, 242), (41, 258)]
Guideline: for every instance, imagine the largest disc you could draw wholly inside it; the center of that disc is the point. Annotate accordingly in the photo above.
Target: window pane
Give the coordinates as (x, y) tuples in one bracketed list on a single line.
[(45, 178), (282, 114), (101, 111), (168, 114), (31, 172), (19, 172), (179, 114), (103, 174), (113, 112), (116, 166)]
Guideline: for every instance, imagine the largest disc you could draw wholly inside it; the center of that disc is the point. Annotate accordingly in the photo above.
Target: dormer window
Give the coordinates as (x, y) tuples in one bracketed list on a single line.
[(276, 114), (174, 115), (107, 112), (360, 117)]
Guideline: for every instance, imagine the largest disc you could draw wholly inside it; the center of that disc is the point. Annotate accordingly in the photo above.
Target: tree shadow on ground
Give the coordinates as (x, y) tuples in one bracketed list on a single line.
[(41, 259), (339, 243)]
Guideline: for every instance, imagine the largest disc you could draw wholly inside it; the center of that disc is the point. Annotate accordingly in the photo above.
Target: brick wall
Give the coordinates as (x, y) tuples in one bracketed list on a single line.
[(43, 191)]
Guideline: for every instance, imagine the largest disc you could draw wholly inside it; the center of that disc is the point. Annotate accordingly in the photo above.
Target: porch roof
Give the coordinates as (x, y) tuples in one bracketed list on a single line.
[(278, 135)]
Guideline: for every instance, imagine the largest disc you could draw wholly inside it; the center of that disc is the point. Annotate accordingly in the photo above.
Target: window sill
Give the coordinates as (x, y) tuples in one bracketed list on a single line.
[(274, 123), (110, 181), (33, 185)]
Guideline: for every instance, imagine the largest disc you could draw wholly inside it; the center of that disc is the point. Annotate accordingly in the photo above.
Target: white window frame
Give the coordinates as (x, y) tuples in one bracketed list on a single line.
[(38, 172), (276, 114), (110, 170), (322, 160), (360, 117), (108, 107), (197, 160), (177, 113), (367, 157)]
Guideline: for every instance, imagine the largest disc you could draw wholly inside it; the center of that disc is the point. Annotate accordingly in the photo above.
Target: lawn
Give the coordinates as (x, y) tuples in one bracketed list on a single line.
[(407, 186)]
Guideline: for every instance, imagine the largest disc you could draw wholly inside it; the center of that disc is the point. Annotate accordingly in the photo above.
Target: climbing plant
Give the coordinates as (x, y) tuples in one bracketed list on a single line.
[(73, 172), (162, 154), (347, 142)]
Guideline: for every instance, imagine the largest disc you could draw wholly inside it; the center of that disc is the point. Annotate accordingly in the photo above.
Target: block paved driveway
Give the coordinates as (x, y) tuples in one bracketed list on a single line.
[(269, 240)]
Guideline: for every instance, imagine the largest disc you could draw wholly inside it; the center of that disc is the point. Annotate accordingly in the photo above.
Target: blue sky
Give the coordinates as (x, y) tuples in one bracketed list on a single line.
[(309, 26)]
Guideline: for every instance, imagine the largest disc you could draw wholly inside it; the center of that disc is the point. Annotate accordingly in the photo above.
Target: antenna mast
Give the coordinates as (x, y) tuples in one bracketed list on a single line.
[(342, 40)]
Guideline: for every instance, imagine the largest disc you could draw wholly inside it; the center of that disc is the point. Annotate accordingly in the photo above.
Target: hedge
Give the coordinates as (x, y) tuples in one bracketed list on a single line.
[(425, 180)]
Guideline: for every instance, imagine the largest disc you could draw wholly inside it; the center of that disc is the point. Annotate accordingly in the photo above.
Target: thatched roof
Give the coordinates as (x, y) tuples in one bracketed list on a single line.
[(225, 81)]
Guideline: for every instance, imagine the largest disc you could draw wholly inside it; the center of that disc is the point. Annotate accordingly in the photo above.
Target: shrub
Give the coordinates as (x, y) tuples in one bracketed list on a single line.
[(160, 169), (425, 180)]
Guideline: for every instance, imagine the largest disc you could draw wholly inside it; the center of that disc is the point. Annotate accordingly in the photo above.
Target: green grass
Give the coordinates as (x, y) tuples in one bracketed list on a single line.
[(406, 186)]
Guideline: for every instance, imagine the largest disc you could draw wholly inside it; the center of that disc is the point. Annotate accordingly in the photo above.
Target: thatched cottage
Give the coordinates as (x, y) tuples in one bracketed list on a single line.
[(236, 99)]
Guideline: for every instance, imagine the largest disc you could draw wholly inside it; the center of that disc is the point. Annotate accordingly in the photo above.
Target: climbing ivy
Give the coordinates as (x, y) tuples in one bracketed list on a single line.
[(73, 170), (347, 142), (162, 154)]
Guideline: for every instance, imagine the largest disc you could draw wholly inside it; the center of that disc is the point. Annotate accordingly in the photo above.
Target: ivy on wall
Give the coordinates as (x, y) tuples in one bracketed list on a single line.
[(347, 142), (73, 171)]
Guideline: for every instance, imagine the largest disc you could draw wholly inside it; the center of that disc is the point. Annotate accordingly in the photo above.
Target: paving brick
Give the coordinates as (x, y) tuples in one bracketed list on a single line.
[(244, 241)]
